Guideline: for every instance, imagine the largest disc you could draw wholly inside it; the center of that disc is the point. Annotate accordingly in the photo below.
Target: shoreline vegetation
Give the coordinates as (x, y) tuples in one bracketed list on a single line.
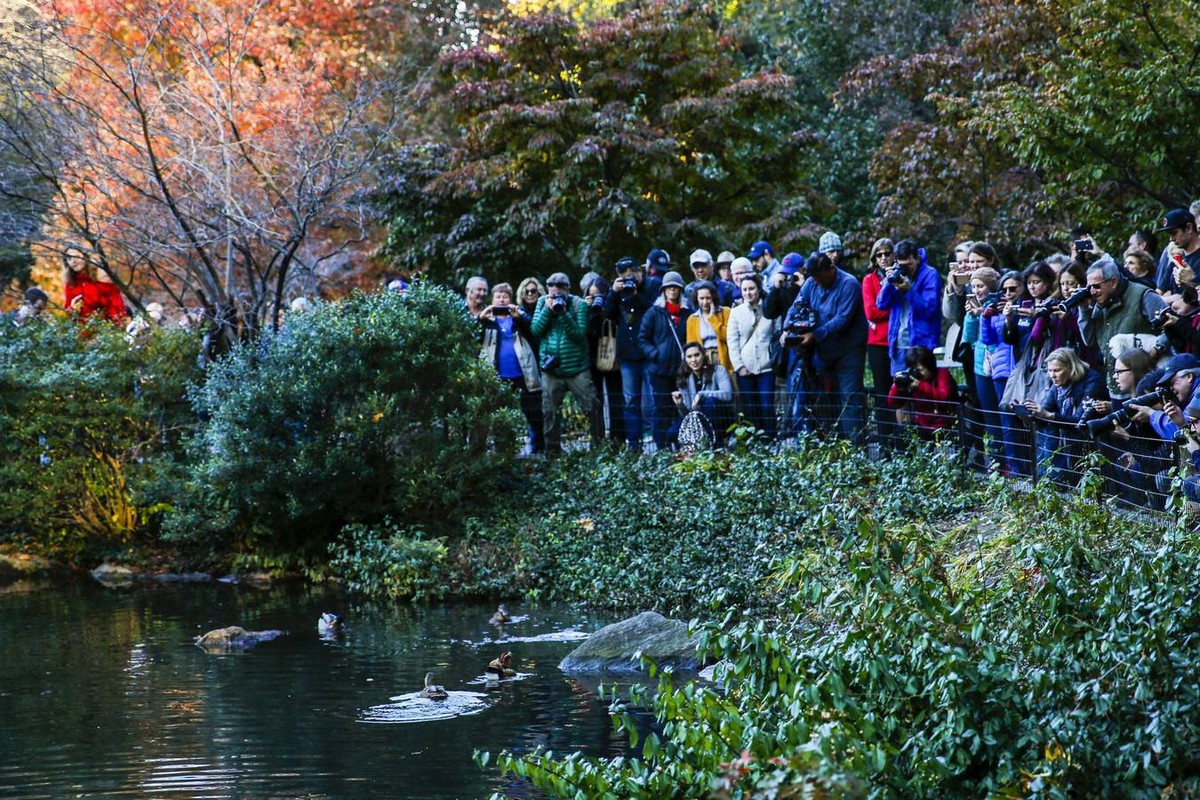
[(887, 628)]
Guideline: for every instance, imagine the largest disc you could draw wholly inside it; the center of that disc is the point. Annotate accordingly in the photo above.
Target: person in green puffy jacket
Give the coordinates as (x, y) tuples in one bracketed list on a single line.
[(560, 324)]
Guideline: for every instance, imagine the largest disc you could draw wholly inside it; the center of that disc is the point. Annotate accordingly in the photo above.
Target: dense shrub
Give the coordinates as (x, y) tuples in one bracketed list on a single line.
[(899, 669), (390, 561), (89, 425), (629, 532), (371, 407)]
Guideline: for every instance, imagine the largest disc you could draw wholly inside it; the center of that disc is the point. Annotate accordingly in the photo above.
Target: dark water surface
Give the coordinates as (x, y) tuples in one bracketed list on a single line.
[(103, 694)]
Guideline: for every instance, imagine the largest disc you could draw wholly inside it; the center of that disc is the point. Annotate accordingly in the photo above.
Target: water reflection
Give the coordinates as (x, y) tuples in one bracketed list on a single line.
[(103, 693)]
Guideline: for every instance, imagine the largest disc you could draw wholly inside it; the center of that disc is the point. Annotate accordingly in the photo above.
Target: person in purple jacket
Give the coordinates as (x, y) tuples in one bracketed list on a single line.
[(912, 292)]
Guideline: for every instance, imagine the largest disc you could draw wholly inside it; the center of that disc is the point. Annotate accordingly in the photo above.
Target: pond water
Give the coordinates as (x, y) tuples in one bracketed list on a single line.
[(102, 693)]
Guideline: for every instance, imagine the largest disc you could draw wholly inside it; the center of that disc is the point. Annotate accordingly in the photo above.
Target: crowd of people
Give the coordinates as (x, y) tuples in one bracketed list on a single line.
[(1078, 352)]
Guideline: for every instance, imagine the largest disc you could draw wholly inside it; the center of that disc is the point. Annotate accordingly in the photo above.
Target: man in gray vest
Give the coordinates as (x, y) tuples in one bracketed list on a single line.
[(1118, 306)]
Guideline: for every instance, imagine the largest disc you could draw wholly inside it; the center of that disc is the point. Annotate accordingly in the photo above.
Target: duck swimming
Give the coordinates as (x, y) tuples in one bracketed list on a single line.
[(330, 623), (501, 667), (501, 615), (432, 691)]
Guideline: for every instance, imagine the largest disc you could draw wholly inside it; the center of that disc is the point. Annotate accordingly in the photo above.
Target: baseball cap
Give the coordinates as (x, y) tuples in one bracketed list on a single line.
[(1175, 218), (626, 264), (701, 257), (792, 263), (658, 259), (1184, 362), (759, 249), (726, 257)]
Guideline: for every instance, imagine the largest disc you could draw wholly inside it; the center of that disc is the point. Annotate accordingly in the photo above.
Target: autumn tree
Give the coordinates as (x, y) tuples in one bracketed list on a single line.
[(572, 143), (1109, 112), (210, 151)]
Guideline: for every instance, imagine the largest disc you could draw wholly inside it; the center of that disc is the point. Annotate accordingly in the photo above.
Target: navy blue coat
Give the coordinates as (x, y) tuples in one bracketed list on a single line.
[(662, 341)]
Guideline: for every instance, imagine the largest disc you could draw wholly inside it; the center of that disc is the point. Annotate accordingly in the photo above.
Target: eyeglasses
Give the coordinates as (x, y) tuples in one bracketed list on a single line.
[(531, 290), (1008, 289), (884, 254)]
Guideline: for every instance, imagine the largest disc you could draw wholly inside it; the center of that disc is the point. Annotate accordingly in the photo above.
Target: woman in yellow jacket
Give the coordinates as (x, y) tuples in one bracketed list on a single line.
[(707, 326)]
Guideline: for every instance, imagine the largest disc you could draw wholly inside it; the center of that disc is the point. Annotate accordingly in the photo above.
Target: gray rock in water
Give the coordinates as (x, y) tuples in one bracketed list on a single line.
[(617, 648), (113, 575), (233, 638)]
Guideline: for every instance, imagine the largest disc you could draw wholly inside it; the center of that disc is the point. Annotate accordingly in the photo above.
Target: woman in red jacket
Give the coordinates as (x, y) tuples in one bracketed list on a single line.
[(878, 361), (85, 295), (925, 394)]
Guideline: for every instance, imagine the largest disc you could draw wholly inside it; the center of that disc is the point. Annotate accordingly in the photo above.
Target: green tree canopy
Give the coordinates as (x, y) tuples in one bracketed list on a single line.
[(577, 143)]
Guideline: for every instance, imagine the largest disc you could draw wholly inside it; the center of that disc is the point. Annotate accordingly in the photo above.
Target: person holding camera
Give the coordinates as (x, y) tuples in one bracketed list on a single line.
[(911, 293), (663, 332), (560, 323), (924, 394), (882, 259), (1180, 321), (627, 307), (1119, 307), (995, 318), (1180, 225), (838, 341), (508, 345), (1069, 399)]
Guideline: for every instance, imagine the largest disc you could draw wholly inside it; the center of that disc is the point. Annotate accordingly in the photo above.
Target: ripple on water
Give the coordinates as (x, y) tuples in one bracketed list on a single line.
[(569, 635), (415, 708)]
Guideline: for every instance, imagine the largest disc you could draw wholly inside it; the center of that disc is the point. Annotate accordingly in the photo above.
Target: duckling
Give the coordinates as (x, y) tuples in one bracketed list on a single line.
[(432, 691), (330, 623), (501, 667), (500, 616)]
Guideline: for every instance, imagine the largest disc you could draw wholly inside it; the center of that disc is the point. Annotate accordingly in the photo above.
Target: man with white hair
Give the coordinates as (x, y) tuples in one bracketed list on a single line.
[(476, 296), (1118, 306)]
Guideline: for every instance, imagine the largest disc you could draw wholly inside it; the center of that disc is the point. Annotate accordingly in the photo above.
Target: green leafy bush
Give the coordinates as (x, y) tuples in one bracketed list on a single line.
[(891, 673), (390, 561), (372, 407), (89, 428)]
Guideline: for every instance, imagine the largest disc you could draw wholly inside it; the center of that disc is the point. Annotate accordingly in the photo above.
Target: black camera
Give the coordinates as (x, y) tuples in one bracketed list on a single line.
[(557, 303), (501, 311), (1163, 316), (896, 274), (904, 380), (801, 319), (1083, 245), (1123, 414), (1089, 412), (550, 362), (628, 286), (1066, 304)]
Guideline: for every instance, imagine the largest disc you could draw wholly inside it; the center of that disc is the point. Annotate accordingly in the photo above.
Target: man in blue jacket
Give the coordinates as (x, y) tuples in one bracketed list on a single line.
[(662, 337), (626, 308), (912, 293), (839, 341)]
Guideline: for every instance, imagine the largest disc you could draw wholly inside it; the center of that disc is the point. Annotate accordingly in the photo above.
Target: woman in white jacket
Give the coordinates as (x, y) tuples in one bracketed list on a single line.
[(749, 337)]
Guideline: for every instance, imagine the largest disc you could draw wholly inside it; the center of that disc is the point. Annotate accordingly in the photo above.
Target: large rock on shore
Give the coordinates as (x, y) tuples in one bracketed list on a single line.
[(618, 647), (233, 639)]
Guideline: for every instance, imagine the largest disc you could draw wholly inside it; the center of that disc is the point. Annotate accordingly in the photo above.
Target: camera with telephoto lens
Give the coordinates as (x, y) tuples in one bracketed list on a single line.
[(1066, 304), (1163, 316), (896, 274), (628, 286), (904, 380), (1123, 414), (557, 303), (1089, 412), (801, 319)]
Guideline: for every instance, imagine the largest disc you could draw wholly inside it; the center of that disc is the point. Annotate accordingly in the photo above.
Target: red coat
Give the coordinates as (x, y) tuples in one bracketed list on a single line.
[(934, 404), (877, 320), (88, 296)]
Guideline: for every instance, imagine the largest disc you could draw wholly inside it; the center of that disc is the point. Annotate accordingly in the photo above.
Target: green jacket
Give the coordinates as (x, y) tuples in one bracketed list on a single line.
[(563, 335)]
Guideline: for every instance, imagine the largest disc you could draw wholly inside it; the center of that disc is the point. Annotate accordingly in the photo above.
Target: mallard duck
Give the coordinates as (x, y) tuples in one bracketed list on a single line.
[(330, 623), (432, 691), (501, 667), (501, 615)]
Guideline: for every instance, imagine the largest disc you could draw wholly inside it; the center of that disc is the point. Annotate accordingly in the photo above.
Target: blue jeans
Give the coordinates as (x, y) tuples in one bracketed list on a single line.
[(758, 400), (634, 380), (847, 373)]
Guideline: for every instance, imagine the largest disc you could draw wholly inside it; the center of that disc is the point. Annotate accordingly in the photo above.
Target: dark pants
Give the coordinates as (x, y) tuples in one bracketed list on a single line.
[(880, 365), (664, 408), (531, 407), (758, 400), (610, 397)]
